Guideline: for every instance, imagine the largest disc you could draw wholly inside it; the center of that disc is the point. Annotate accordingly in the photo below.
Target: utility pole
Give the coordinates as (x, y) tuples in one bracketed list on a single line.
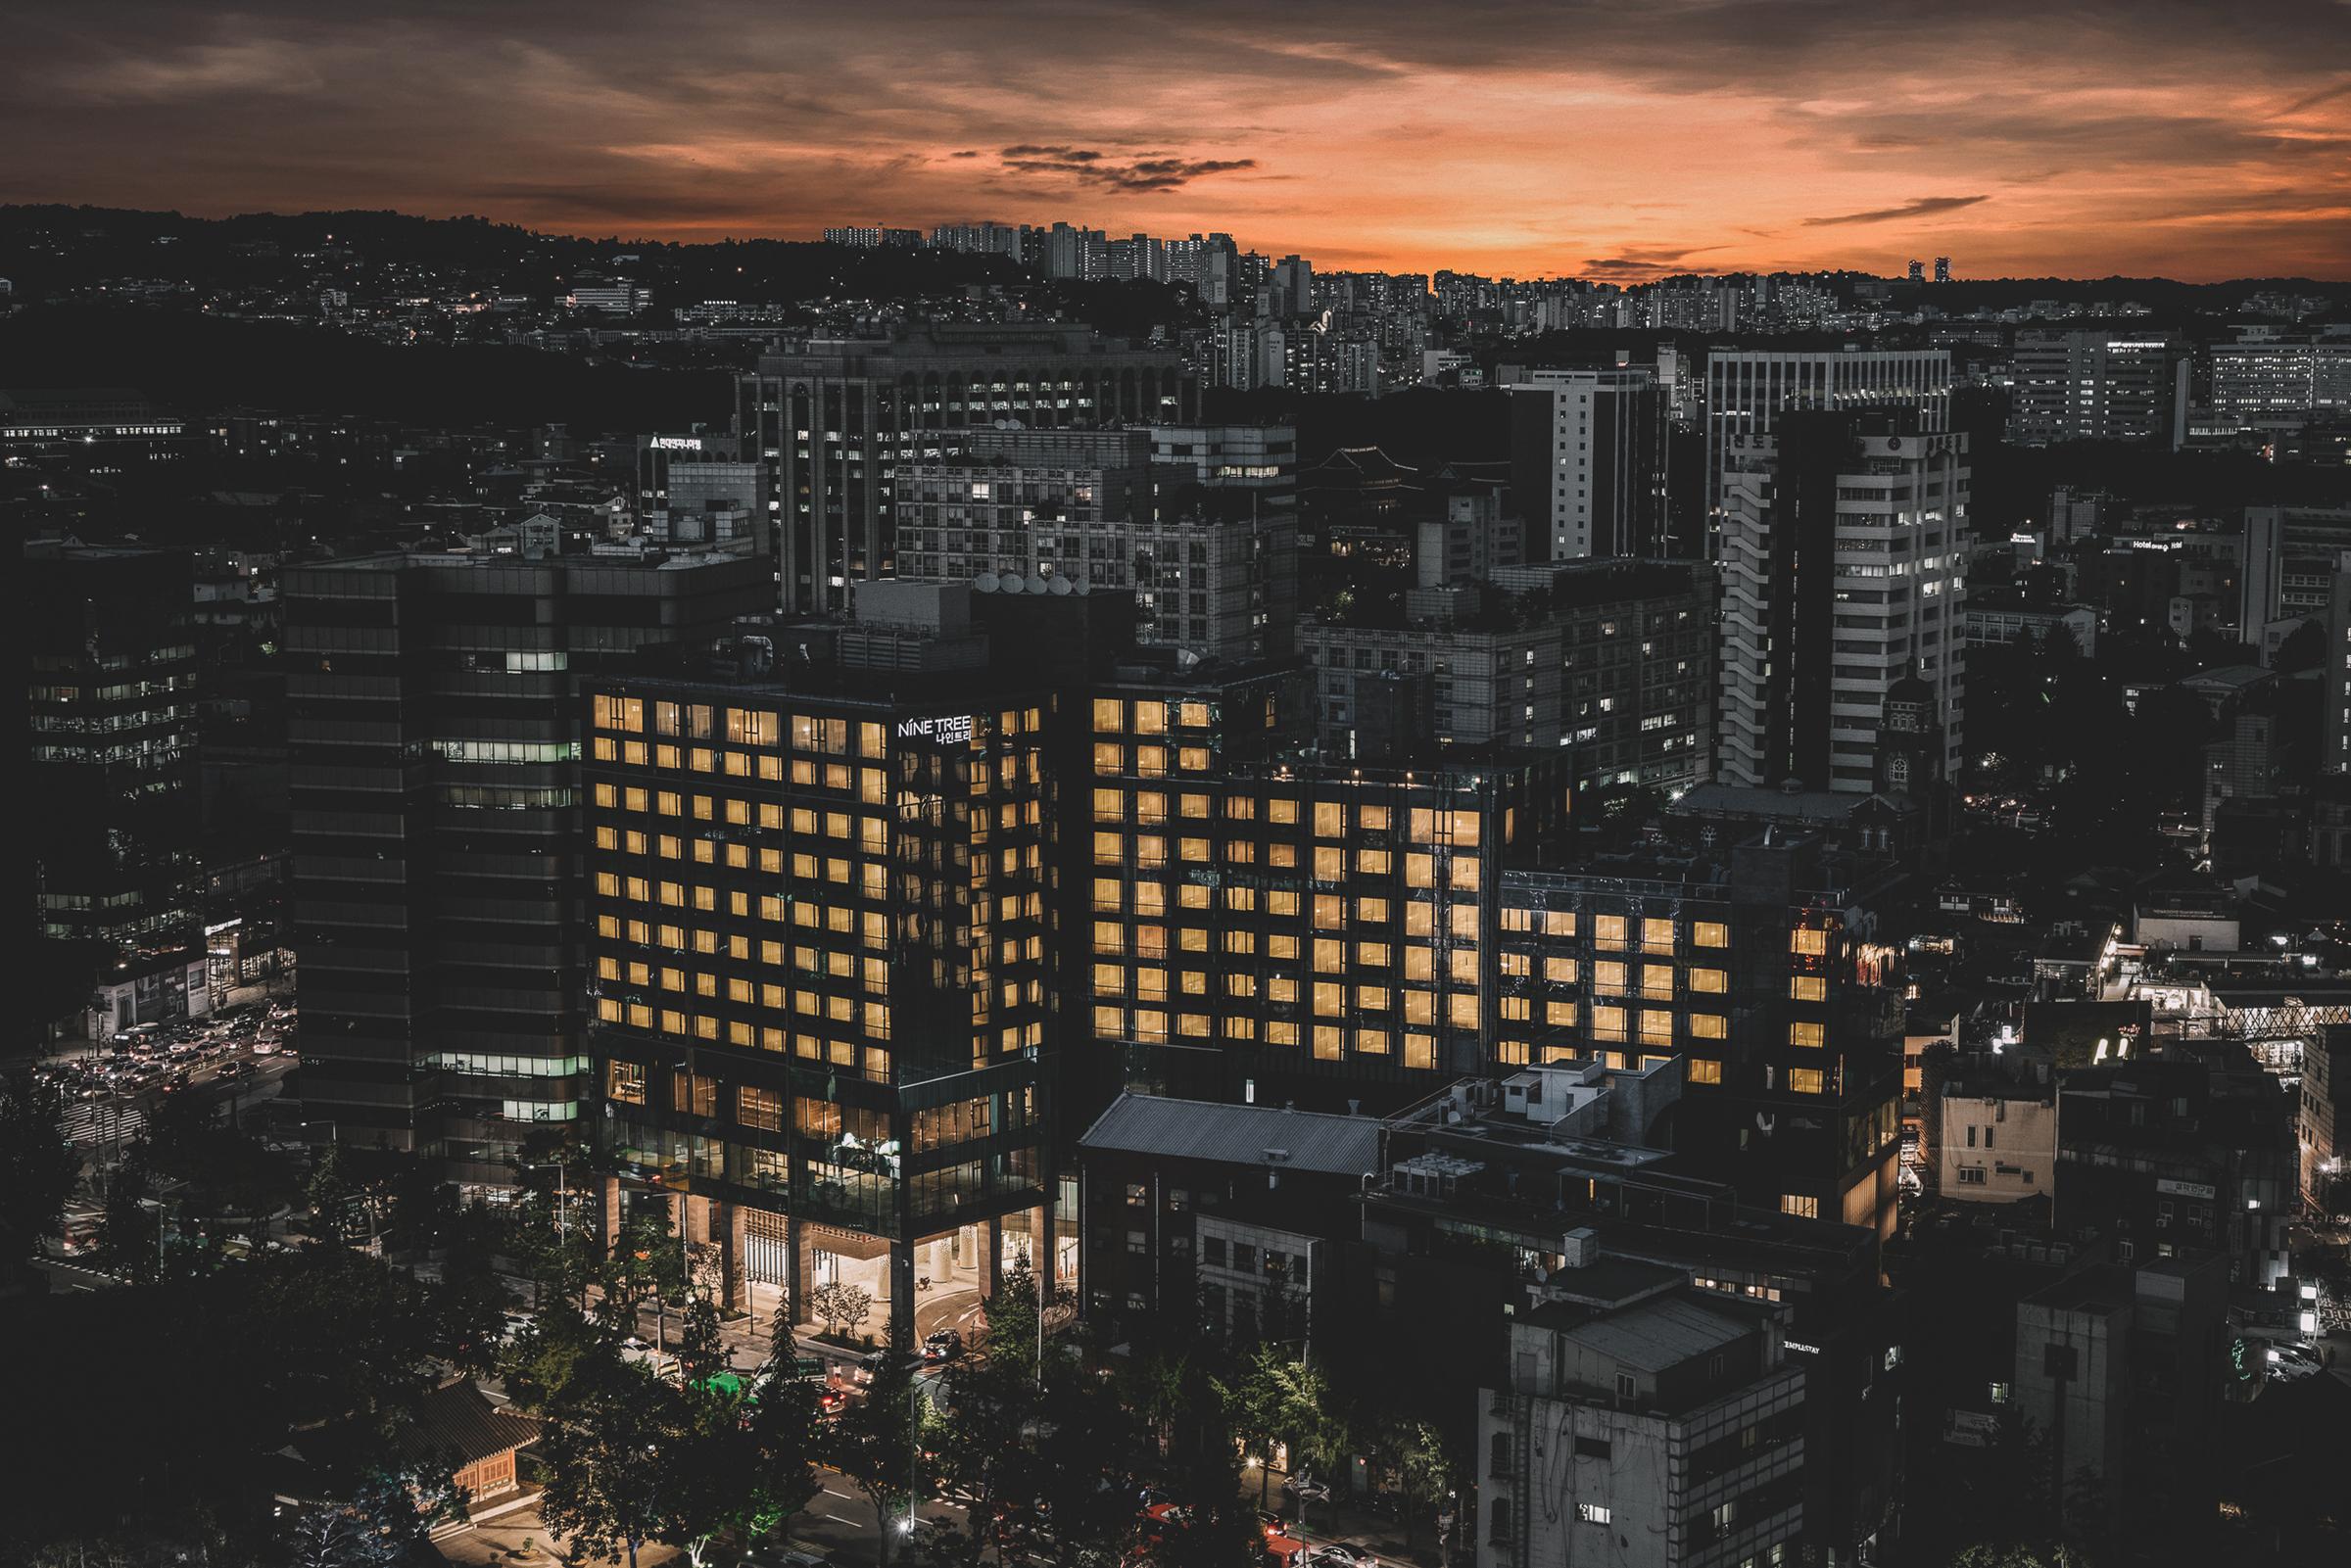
[(914, 1449)]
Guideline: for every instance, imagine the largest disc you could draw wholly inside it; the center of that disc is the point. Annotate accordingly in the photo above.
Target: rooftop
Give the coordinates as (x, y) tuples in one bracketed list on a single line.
[(1653, 1335), (1237, 1134)]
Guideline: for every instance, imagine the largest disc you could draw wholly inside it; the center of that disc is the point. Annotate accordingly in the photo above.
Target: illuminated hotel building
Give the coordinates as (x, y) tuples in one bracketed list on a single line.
[(1265, 928), (1760, 968), (823, 954)]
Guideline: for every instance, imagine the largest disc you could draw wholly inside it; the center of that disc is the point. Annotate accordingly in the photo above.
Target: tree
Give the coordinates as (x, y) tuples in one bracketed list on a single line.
[(471, 1298), (646, 1260), (331, 1193), (700, 1353), (984, 1446), (877, 1443), (1085, 1435), (387, 1520), (1012, 1318), (1280, 1401), (1412, 1454), (38, 1168), (617, 1445), (840, 1306), (782, 1429), (559, 1258), (733, 1470), (346, 1337), (130, 1237), (538, 1364)]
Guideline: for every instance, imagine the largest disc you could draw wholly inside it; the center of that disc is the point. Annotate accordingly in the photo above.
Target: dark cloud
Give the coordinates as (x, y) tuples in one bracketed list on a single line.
[(2086, 120), (1922, 207), (1089, 166)]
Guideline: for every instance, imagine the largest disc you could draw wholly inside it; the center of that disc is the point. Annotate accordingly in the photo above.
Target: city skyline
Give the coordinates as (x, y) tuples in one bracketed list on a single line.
[(1591, 142)]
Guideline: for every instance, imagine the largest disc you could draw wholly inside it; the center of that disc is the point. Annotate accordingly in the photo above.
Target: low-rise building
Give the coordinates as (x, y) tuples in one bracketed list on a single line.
[(1993, 1127), (1643, 1425)]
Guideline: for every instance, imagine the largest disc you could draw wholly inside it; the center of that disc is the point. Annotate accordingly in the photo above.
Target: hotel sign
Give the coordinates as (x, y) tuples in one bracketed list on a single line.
[(956, 729)]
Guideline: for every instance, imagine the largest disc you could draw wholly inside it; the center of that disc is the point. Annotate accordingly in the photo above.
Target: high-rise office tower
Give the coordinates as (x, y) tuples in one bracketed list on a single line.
[(1943, 269), (833, 419), (111, 707), (434, 732), (1588, 463), (2097, 384), (1748, 388), (1842, 553), (1293, 291), (824, 940), (1918, 271)]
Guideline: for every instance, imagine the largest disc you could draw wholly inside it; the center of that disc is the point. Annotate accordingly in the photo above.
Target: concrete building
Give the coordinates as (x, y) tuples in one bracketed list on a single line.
[(2322, 1124), (1549, 1169), (1998, 616), (1644, 1424), (2120, 1370), (2335, 673), (1588, 463), (2096, 384), (1844, 558), (1194, 1214), (835, 418), (2291, 555), (1747, 389), (2257, 379), (1993, 1128), (1610, 663), (1211, 564), (435, 737), (1762, 969)]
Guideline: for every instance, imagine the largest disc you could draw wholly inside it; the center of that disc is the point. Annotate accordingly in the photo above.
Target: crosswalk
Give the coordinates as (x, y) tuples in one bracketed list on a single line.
[(101, 1121)]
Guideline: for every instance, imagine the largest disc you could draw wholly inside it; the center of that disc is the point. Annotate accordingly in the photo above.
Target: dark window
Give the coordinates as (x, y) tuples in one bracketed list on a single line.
[(1594, 1448)]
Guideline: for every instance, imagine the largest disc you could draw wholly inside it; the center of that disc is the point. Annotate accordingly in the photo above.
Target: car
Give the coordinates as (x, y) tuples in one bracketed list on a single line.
[(831, 1401), (231, 1069), (1343, 1555), (781, 1555), (943, 1346), (2290, 1361)]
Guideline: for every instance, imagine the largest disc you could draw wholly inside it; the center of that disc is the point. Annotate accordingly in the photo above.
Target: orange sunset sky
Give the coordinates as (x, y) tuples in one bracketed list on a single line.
[(2197, 141)]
